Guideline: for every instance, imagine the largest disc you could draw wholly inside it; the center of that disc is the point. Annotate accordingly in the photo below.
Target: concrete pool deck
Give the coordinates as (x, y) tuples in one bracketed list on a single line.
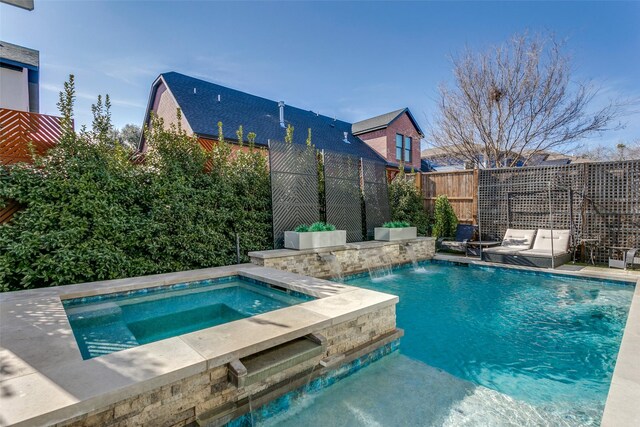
[(623, 401), (45, 380)]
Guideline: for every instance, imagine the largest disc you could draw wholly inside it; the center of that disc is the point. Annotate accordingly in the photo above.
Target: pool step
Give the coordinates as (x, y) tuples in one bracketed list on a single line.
[(260, 366)]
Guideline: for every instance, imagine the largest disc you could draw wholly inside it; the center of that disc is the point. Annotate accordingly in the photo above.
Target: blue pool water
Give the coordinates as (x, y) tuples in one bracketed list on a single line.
[(484, 346), (114, 322)]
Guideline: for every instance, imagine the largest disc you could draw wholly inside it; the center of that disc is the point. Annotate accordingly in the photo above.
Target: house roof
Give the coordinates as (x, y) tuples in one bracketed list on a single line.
[(382, 121), (19, 55), (198, 101)]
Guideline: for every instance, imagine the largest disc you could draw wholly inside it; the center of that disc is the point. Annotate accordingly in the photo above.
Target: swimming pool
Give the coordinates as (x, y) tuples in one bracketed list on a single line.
[(488, 346), (113, 322)]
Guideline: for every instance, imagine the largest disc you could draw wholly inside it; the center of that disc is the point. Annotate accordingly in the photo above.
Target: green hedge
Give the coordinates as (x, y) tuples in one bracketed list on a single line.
[(91, 213), (406, 204)]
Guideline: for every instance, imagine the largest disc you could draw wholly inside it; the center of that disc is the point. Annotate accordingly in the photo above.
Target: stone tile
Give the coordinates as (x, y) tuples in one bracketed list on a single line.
[(315, 287), (622, 409), (12, 366), (340, 308), (234, 340), (139, 368), (30, 325), (31, 397)]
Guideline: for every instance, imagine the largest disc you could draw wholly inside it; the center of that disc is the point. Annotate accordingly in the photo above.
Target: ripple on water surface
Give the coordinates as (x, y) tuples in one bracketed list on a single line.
[(550, 341), (401, 391)]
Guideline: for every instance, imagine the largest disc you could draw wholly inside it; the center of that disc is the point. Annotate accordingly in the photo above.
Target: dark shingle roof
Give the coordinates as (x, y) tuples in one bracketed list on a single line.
[(20, 55), (382, 121), (203, 111)]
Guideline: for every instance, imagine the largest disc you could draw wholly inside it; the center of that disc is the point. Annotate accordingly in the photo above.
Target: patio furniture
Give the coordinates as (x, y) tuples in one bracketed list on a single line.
[(514, 241), (622, 257), (589, 249), (476, 248), (550, 250), (464, 234)]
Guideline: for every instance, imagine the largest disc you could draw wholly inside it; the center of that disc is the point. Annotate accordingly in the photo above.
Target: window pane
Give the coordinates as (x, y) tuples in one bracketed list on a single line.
[(407, 149), (399, 139)]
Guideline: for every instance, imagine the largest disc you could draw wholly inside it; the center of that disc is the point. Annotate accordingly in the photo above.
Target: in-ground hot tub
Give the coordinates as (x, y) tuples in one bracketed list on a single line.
[(108, 323)]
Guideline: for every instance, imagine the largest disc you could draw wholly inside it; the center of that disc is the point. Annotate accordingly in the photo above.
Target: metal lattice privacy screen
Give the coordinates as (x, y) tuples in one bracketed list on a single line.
[(342, 193), (598, 201), (294, 187), (376, 195)]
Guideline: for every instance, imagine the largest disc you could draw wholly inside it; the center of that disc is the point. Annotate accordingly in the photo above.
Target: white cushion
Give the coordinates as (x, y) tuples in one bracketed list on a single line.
[(560, 241), (501, 250), (518, 239)]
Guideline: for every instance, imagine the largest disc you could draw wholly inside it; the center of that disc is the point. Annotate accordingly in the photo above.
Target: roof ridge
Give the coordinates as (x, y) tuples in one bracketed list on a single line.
[(256, 96)]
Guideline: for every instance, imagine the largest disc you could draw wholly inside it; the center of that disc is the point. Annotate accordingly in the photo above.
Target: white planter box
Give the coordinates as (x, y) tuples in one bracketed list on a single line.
[(392, 234), (314, 239)]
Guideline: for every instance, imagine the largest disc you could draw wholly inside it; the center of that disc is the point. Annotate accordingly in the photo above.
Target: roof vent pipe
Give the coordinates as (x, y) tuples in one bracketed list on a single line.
[(219, 97), (194, 90), (281, 107), (346, 137)]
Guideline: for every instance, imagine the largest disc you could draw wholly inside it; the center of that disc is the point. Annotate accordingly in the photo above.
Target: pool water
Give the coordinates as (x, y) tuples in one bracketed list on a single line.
[(485, 346), (109, 323)]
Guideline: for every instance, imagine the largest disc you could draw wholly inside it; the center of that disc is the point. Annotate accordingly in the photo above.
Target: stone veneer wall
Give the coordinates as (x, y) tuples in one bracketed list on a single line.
[(353, 258), (180, 403)]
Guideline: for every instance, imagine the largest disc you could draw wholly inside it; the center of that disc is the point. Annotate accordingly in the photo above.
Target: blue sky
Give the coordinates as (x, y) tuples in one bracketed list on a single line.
[(350, 60)]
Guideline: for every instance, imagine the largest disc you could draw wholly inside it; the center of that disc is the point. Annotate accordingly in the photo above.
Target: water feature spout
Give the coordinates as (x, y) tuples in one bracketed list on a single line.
[(335, 267), (409, 249), (379, 271)]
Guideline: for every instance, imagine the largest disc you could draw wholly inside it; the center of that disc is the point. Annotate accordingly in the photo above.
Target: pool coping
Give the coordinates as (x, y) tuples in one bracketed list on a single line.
[(283, 253), (52, 385), (622, 405)]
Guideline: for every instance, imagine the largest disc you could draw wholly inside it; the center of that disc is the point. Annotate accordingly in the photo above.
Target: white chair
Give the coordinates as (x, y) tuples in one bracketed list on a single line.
[(514, 241), (550, 249), (628, 259)]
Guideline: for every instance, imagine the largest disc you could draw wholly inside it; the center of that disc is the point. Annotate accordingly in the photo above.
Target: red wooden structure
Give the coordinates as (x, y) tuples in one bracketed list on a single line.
[(19, 128)]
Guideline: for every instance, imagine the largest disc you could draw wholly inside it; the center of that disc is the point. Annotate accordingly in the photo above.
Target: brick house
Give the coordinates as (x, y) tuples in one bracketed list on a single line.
[(395, 136)]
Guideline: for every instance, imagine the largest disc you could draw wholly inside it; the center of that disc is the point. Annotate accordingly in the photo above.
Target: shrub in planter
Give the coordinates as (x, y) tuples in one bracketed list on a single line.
[(396, 224), (317, 235), (395, 230), (406, 204), (316, 226)]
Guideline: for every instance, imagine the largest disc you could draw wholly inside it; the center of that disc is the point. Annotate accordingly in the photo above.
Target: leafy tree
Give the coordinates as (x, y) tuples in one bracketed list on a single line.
[(92, 214), (445, 220), (406, 203), (515, 101), (129, 135)]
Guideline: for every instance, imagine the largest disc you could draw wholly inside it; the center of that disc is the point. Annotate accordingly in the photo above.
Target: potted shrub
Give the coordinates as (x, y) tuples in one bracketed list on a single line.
[(316, 235), (395, 230)]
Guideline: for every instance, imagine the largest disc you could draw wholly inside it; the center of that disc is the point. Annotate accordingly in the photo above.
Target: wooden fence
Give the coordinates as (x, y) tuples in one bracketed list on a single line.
[(461, 187), (21, 132), (18, 129)]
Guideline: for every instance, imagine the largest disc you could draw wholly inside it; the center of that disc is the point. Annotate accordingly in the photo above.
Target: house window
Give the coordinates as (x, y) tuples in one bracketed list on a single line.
[(403, 148), (407, 149), (399, 139)]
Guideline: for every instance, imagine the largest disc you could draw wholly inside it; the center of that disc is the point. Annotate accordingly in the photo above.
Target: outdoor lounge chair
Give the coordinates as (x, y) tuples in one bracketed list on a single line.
[(513, 242), (626, 259), (464, 234), (541, 254)]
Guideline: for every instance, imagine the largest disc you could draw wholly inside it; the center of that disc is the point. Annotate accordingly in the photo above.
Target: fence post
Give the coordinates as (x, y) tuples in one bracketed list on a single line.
[(474, 202)]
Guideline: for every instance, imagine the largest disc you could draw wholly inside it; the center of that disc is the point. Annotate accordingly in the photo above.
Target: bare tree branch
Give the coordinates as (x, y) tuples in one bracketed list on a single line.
[(515, 102)]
